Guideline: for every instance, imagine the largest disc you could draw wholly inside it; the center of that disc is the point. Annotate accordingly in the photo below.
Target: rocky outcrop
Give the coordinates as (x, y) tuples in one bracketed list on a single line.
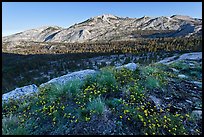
[(167, 60), (195, 56), (156, 101), (182, 76), (197, 83), (191, 56), (31, 89), (19, 92), (130, 66), (75, 75)]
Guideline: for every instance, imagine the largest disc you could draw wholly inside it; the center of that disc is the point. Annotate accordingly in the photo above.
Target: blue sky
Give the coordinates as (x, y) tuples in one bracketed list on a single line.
[(20, 16)]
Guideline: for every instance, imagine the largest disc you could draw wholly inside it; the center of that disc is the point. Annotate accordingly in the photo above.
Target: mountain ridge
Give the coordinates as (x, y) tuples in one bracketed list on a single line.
[(108, 27)]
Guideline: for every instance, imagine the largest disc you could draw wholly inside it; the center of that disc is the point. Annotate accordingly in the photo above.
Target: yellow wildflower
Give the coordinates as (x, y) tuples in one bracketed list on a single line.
[(164, 116), (145, 124)]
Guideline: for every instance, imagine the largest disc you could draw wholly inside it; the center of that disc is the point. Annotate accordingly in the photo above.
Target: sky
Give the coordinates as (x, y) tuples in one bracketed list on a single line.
[(21, 16)]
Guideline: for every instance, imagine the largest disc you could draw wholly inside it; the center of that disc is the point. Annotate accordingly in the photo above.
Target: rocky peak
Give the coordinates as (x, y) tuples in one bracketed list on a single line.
[(106, 16), (181, 17), (145, 17)]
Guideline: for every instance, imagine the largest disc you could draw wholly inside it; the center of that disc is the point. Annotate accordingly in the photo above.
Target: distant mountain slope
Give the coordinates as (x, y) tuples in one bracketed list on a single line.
[(109, 28)]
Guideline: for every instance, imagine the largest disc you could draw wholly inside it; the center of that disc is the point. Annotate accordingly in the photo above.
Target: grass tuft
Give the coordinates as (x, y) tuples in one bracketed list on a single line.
[(97, 106)]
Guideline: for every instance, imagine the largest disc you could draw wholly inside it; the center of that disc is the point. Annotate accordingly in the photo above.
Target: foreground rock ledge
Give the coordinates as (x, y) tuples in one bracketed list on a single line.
[(19, 92), (65, 78)]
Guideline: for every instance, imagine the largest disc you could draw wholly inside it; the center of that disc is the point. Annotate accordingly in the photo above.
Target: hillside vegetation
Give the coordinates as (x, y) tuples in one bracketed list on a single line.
[(152, 100), (38, 62), (136, 46)]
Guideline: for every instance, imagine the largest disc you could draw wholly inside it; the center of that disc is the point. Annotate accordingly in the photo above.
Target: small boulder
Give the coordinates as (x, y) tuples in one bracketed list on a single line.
[(182, 76), (189, 101), (197, 83), (130, 66), (174, 70), (156, 101), (197, 114)]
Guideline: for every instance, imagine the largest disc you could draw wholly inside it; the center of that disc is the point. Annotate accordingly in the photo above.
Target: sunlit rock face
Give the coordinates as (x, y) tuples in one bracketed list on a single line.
[(19, 92), (109, 27), (81, 75)]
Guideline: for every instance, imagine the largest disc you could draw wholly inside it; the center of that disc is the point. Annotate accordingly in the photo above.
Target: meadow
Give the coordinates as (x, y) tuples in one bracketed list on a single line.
[(113, 102)]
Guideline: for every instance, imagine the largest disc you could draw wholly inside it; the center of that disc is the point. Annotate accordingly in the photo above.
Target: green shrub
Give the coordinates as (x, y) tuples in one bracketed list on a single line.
[(83, 114), (154, 76), (157, 124), (152, 82), (103, 81), (73, 87), (148, 70), (10, 126), (54, 91), (106, 79), (90, 80), (136, 93), (96, 106), (180, 65), (67, 90), (161, 66), (124, 76), (20, 131), (113, 102)]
